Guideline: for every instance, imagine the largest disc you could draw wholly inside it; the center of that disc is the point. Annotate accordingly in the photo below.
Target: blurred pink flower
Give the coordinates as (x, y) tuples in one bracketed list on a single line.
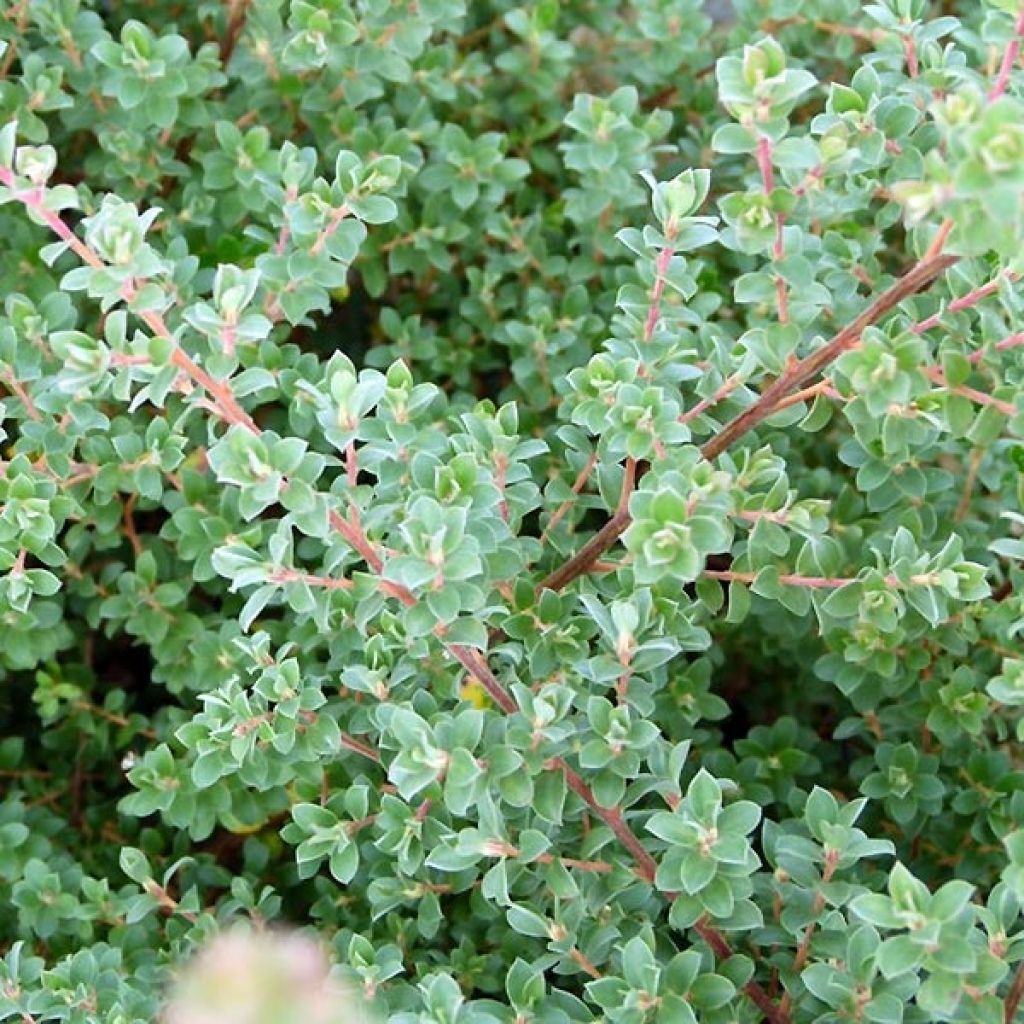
[(246, 977)]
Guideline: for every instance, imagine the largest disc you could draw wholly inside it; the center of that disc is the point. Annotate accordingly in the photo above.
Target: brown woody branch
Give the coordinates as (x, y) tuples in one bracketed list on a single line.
[(602, 540), (237, 10), (757, 995), (801, 372), (796, 376)]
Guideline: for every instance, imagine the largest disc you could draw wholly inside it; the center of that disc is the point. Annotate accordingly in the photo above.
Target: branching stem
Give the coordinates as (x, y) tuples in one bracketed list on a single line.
[(796, 376)]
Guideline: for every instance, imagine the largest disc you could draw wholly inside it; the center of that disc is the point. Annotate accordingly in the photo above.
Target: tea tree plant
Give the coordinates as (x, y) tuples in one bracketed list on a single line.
[(530, 494)]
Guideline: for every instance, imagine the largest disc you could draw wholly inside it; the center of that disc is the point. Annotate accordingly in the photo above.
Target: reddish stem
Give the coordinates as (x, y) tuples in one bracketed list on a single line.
[(647, 866), (972, 298), (356, 539), (580, 958), (1010, 56), (1013, 997), (813, 582), (227, 405), (804, 949), (781, 291), (21, 393), (910, 51), (823, 387), (129, 525), (757, 995), (236, 25), (803, 371), (581, 479), (337, 216), (941, 236), (599, 867), (351, 743), (500, 480), (654, 310), (351, 464), (727, 388), (477, 666), (285, 575), (1010, 341), (787, 579), (794, 378), (764, 164), (600, 542), (1006, 408)]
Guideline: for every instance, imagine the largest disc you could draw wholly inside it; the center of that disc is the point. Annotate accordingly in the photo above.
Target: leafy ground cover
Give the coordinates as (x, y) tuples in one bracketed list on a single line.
[(529, 494)]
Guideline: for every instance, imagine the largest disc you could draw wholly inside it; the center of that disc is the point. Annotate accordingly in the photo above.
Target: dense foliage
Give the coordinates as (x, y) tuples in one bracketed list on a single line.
[(530, 493)]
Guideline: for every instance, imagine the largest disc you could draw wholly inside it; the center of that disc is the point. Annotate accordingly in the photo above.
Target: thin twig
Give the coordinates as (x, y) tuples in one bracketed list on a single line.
[(578, 483), (115, 719), (804, 949), (972, 298), (815, 582), (580, 958), (867, 35), (654, 309), (21, 393), (351, 743), (286, 575), (938, 243), (227, 405), (728, 387), (1010, 341), (936, 374), (600, 542), (764, 164), (963, 507)]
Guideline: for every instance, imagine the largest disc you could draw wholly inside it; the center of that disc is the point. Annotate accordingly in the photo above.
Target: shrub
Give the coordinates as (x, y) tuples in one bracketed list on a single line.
[(530, 494)]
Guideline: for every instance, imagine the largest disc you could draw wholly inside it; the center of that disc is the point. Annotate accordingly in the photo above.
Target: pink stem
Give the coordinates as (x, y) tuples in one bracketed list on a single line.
[(21, 393), (351, 464), (730, 385), (972, 298), (332, 225), (654, 311), (294, 576), (811, 582), (1006, 408), (351, 743), (910, 51), (764, 164), (1010, 341), (226, 403), (1010, 56)]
